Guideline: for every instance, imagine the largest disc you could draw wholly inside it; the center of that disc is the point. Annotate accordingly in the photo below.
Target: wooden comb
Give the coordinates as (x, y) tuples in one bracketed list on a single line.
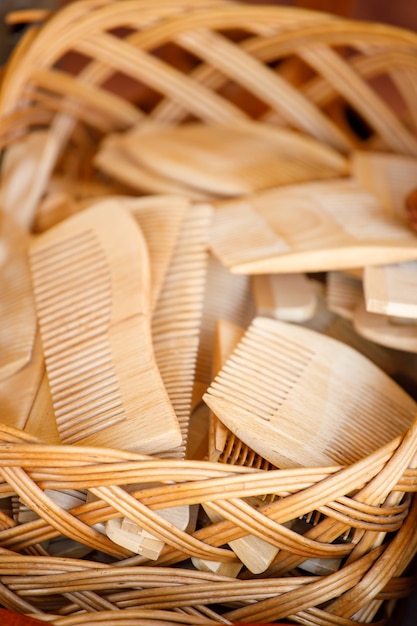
[(391, 289), (224, 447), (231, 160), (343, 293), (22, 177), (91, 283), (17, 308), (286, 392), (310, 227), (117, 162), (286, 297), (392, 332), (176, 321), (18, 391), (390, 177)]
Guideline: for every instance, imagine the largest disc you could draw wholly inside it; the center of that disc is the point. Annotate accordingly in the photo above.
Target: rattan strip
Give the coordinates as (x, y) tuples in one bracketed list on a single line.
[(266, 83), (121, 113), (160, 587), (224, 530), (375, 112), (265, 14)]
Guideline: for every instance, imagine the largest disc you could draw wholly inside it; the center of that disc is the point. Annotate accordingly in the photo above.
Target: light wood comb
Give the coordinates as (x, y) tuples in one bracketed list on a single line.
[(286, 297), (91, 283), (177, 318), (17, 307), (392, 332), (224, 447), (343, 293), (286, 392), (310, 227), (176, 321), (231, 160), (118, 163), (390, 177), (22, 176), (391, 289)]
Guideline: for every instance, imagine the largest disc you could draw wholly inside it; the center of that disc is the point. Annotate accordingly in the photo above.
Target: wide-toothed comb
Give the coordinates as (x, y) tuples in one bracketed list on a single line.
[(91, 283), (17, 308), (299, 398), (309, 227)]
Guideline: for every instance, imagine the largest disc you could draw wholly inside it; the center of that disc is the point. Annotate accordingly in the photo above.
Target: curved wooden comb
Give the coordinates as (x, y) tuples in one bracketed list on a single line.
[(286, 392), (91, 282)]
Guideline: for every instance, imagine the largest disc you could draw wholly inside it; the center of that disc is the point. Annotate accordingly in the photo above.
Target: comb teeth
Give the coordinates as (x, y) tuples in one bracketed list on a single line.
[(343, 293), (236, 452), (91, 283), (370, 409), (261, 372), (236, 308), (293, 405), (160, 219), (74, 302), (177, 318)]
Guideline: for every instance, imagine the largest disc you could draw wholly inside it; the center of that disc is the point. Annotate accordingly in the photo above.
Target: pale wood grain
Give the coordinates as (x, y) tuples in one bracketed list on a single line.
[(256, 554), (318, 226), (278, 369), (390, 177), (343, 293), (232, 159), (18, 391), (17, 308), (392, 289), (392, 332), (286, 297), (91, 281)]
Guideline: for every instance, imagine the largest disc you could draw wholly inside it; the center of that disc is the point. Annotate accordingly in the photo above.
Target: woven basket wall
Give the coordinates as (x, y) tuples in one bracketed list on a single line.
[(97, 67)]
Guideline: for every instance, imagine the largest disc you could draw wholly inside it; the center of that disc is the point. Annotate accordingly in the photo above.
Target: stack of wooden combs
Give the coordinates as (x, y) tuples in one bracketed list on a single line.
[(208, 336)]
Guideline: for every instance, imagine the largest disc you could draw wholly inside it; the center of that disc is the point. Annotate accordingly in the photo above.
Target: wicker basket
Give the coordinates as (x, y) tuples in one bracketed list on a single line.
[(348, 84)]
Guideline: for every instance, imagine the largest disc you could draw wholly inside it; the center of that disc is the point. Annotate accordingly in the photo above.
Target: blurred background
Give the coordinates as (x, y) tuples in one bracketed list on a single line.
[(401, 13)]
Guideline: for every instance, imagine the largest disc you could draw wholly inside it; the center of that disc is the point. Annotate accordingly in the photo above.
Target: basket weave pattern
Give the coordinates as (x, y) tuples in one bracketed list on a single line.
[(217, 62)]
